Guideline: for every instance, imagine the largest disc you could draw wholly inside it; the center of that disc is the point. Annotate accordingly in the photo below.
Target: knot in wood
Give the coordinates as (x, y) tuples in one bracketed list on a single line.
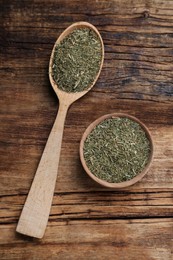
[(146, 14)]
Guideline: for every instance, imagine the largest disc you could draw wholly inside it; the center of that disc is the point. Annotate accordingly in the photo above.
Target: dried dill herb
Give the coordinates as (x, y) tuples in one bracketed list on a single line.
[(117, 150), (77, 60)]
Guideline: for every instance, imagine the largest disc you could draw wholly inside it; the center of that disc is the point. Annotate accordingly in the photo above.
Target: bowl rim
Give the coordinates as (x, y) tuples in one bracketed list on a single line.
[(124, 183)]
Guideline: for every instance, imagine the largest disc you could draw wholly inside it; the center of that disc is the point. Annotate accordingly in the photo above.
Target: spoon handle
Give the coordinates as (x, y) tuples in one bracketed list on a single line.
[(35, 213)]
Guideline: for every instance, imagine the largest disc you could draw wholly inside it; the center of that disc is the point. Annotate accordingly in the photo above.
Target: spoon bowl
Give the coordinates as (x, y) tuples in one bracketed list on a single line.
[(35, 213), (71, 97)]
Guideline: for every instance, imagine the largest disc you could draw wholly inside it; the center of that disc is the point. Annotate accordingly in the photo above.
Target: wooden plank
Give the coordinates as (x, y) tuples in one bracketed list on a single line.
[(27, 146), (87, 221), (96, 205), (93, 239)]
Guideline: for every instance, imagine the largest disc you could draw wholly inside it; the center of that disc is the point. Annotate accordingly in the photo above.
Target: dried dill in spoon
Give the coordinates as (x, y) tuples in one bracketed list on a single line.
[(77, 60)]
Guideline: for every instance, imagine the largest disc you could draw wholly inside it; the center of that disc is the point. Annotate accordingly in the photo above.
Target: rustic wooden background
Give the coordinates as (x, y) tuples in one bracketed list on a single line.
[(86, 220)]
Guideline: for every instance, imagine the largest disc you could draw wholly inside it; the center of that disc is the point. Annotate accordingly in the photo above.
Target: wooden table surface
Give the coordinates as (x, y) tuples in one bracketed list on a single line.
[(86, 220)]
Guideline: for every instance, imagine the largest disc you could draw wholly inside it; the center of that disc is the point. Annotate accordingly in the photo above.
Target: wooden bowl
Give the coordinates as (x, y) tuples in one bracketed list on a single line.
[(124, 183)]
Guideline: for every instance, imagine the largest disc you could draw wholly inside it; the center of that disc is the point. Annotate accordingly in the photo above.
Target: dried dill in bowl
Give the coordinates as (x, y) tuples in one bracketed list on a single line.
[(116, 149), (77, 60)]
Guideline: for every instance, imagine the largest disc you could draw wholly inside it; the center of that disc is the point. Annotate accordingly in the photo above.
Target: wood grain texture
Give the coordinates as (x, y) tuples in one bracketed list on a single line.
[(93, 239), (87, 221)]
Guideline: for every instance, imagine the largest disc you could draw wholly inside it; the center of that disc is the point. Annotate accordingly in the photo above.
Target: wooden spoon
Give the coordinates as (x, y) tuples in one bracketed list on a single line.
[(35, 213)]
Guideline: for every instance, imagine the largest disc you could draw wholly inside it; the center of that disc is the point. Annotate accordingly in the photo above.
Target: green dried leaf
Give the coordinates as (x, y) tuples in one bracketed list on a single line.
[(117, 150), (77, 60)]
